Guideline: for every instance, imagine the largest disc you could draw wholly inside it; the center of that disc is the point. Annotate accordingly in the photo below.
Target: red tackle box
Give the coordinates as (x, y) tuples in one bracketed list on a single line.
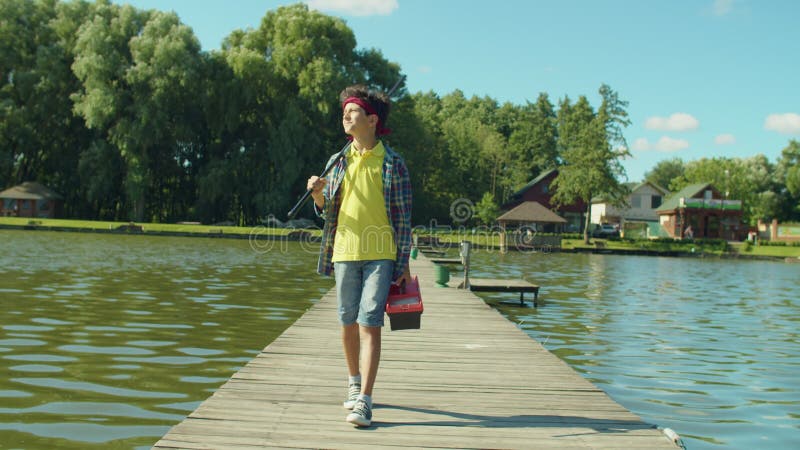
[(404, 306)]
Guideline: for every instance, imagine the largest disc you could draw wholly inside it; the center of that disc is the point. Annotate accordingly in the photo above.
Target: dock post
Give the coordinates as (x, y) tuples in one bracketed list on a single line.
[(464, 253), (503, 239)]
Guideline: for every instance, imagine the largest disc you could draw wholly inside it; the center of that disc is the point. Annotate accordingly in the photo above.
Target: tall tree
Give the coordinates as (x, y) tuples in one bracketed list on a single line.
[(430, 161), (591, 148), (106, 100), (139, 70), (533, 142), (291, 117)]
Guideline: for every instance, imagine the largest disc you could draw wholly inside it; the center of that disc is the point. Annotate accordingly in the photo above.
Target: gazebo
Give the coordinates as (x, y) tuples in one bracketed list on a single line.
[(531, 213), (30, 199)]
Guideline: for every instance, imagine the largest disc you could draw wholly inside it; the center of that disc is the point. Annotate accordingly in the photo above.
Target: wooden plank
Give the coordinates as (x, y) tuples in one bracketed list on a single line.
[(468, 378), (490, 284)]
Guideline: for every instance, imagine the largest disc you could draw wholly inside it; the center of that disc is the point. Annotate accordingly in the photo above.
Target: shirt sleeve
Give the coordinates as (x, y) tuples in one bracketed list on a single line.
[(401, 216)]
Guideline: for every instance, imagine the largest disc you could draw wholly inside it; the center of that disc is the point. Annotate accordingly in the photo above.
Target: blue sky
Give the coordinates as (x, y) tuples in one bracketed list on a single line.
[(704, 78)]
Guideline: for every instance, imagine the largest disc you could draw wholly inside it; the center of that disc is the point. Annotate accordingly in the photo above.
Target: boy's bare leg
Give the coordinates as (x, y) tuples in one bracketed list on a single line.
[(351, 344), (371, 340)]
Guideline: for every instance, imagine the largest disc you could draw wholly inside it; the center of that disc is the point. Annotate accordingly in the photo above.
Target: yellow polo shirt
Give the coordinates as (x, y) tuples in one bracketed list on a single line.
[(364, 232)]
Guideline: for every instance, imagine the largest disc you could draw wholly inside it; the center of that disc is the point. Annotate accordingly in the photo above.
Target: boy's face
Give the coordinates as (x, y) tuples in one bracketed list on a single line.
[(356, 122)]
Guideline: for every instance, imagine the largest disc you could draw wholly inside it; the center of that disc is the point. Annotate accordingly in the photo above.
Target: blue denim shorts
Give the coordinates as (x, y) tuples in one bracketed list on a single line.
[(361, 290)]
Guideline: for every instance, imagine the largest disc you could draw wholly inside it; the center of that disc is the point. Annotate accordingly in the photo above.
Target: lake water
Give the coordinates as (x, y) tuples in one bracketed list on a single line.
[(707, 347), (106, 341)]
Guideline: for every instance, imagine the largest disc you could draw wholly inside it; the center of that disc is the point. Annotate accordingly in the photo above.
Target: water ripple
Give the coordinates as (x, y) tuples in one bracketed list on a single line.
[(105, 350), (94, 387), (85, 432), (706, 347)]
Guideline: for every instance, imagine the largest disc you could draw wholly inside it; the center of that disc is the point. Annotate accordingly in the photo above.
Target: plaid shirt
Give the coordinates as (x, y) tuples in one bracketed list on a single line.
[(396, 195)]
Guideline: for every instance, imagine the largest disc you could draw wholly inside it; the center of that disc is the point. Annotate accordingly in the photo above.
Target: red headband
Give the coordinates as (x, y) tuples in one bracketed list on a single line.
[(379, 129)]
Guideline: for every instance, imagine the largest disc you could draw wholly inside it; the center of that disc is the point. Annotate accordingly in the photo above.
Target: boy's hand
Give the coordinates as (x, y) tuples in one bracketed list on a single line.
[(316, 185), (404, 278)]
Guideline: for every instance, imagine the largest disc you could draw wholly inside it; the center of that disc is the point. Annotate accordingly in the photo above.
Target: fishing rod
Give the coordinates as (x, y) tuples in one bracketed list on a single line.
[(293, 212)]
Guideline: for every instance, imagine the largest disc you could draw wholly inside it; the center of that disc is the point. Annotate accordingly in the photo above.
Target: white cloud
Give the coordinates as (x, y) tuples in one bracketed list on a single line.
[(675, 122), (641, 145), (665, 144), (787, 123), (424, 69), (722, 7), (355, 7), (725, 139)]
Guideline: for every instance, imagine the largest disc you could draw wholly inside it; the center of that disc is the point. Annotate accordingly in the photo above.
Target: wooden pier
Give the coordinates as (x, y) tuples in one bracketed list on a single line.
[(492, 285), (468, 379)]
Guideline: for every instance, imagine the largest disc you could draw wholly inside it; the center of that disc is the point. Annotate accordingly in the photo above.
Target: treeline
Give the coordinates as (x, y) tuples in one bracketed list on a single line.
[(120, 111)]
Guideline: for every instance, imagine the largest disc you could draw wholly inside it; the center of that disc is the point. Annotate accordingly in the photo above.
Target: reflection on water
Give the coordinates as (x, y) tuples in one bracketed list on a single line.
[(107, 341), (707, 347)]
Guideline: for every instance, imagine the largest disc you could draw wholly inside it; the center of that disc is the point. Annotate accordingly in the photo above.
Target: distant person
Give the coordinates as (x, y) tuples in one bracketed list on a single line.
[(366, 241), (689, 233)]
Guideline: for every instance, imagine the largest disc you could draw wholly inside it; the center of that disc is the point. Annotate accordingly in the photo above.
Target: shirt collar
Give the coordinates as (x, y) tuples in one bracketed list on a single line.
[(378, 151)]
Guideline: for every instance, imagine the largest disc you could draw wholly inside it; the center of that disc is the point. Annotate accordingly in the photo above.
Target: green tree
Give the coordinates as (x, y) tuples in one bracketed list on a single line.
[(427, 154), (787, 174), (533, 142), (290, 116), (665, 171), (124, 59), (40, 139), (591, 146), (487, 210), (757, 189), (24, 28), (100, 170), (494, 153)]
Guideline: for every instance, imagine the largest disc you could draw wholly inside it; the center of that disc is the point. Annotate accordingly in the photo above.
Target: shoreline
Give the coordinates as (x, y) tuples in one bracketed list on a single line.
[(220, 233), (305, 236)]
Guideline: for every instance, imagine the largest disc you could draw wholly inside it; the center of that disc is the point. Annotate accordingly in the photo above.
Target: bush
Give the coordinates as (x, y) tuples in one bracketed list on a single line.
[(666, 240)]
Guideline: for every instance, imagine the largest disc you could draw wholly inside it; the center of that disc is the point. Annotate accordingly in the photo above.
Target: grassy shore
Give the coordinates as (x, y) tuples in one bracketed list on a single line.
[(91, 225), (699, 246), (480, 239)]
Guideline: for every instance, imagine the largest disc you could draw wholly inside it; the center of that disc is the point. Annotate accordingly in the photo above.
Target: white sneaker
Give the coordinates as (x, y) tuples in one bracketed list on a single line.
[(361, 415)]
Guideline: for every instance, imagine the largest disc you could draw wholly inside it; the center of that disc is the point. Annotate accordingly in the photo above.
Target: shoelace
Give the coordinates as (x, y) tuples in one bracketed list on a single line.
[(355, 390), (361, 409)]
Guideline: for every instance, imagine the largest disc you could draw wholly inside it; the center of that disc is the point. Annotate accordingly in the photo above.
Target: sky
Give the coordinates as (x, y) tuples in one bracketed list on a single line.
[(703, 78)]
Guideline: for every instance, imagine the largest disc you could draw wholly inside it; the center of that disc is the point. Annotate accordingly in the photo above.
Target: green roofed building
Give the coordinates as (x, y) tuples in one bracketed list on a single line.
[(701, 211)]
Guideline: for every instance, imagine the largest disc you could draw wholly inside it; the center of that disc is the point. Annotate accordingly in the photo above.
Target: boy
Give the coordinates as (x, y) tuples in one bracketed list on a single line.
[(366, 203)]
